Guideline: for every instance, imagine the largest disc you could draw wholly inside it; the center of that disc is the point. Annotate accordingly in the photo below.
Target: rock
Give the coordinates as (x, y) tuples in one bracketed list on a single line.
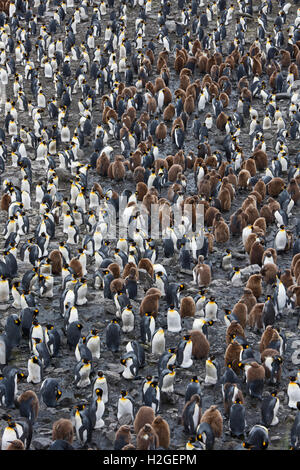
[(41, 443), (168, 398), (171, 25), (145, 279), (110, 435), (112, 377), (249, 270), (126, 419), (63, 175)]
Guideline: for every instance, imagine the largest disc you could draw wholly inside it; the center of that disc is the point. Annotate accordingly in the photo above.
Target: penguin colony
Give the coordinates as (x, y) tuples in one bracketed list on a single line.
[(178, 343)]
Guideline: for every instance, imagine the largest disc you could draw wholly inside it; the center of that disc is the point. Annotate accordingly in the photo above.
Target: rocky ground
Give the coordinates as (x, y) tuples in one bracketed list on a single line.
[(99, 311)]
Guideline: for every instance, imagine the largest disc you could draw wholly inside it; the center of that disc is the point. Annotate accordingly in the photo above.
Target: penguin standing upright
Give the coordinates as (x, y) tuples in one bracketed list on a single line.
[(167, 378), (269, 409), (184, 352), (212, 371), (193, 388), (293, 392), (125, 405), (237, 421), (82, 424), (101, 382), (113, 335), (35, 370), (82, 373), (96, 410), (147, 328), (158, 341), (191, 414), (295, 431)]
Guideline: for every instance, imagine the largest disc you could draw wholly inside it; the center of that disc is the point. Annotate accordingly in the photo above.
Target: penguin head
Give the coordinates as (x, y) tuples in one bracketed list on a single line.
[(99, 392)]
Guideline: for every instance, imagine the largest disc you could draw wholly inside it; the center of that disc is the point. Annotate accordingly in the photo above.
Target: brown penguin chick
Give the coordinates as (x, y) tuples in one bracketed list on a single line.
[(238, 222), (102, 164), (295, 259), (225, 199), (274, 205), (293, 190), (269, 273), (56, 262), (147, 439), (135, 159), (202, 273), (294, 292), (224, 98), (254, 283), (255, 316), (285, 58), (201, 346), (189, 104), (5, 202), (16, 444), (209, 215), (232, 355), (248, 299), (150, 304), (257, 66), (252, 213), (63, 429), (173, 172), (145, 263), (148, 200), (151, 106), (213, 417), (249, 242), (221, 121), (255, 372), (243, 178), (161, 132), (118, 170), (261, 224), (117, 285), (232, 178), (286, 278), (240, 311), (204, 186), (261, 159), (275, 186), (145, 415), (187, 307), (296, 269), (256, 253), (138, 175), (270, 355), (260, 187), (141, 190), (115, 269), (153, 290), (76, 266), (122, 437), (159, 84), (269, 256), (162, 429), (257, 197), (220, 230), (130, 271), (233, 330), (269, 336), (169, 113), (29, 397), (267, 213)]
